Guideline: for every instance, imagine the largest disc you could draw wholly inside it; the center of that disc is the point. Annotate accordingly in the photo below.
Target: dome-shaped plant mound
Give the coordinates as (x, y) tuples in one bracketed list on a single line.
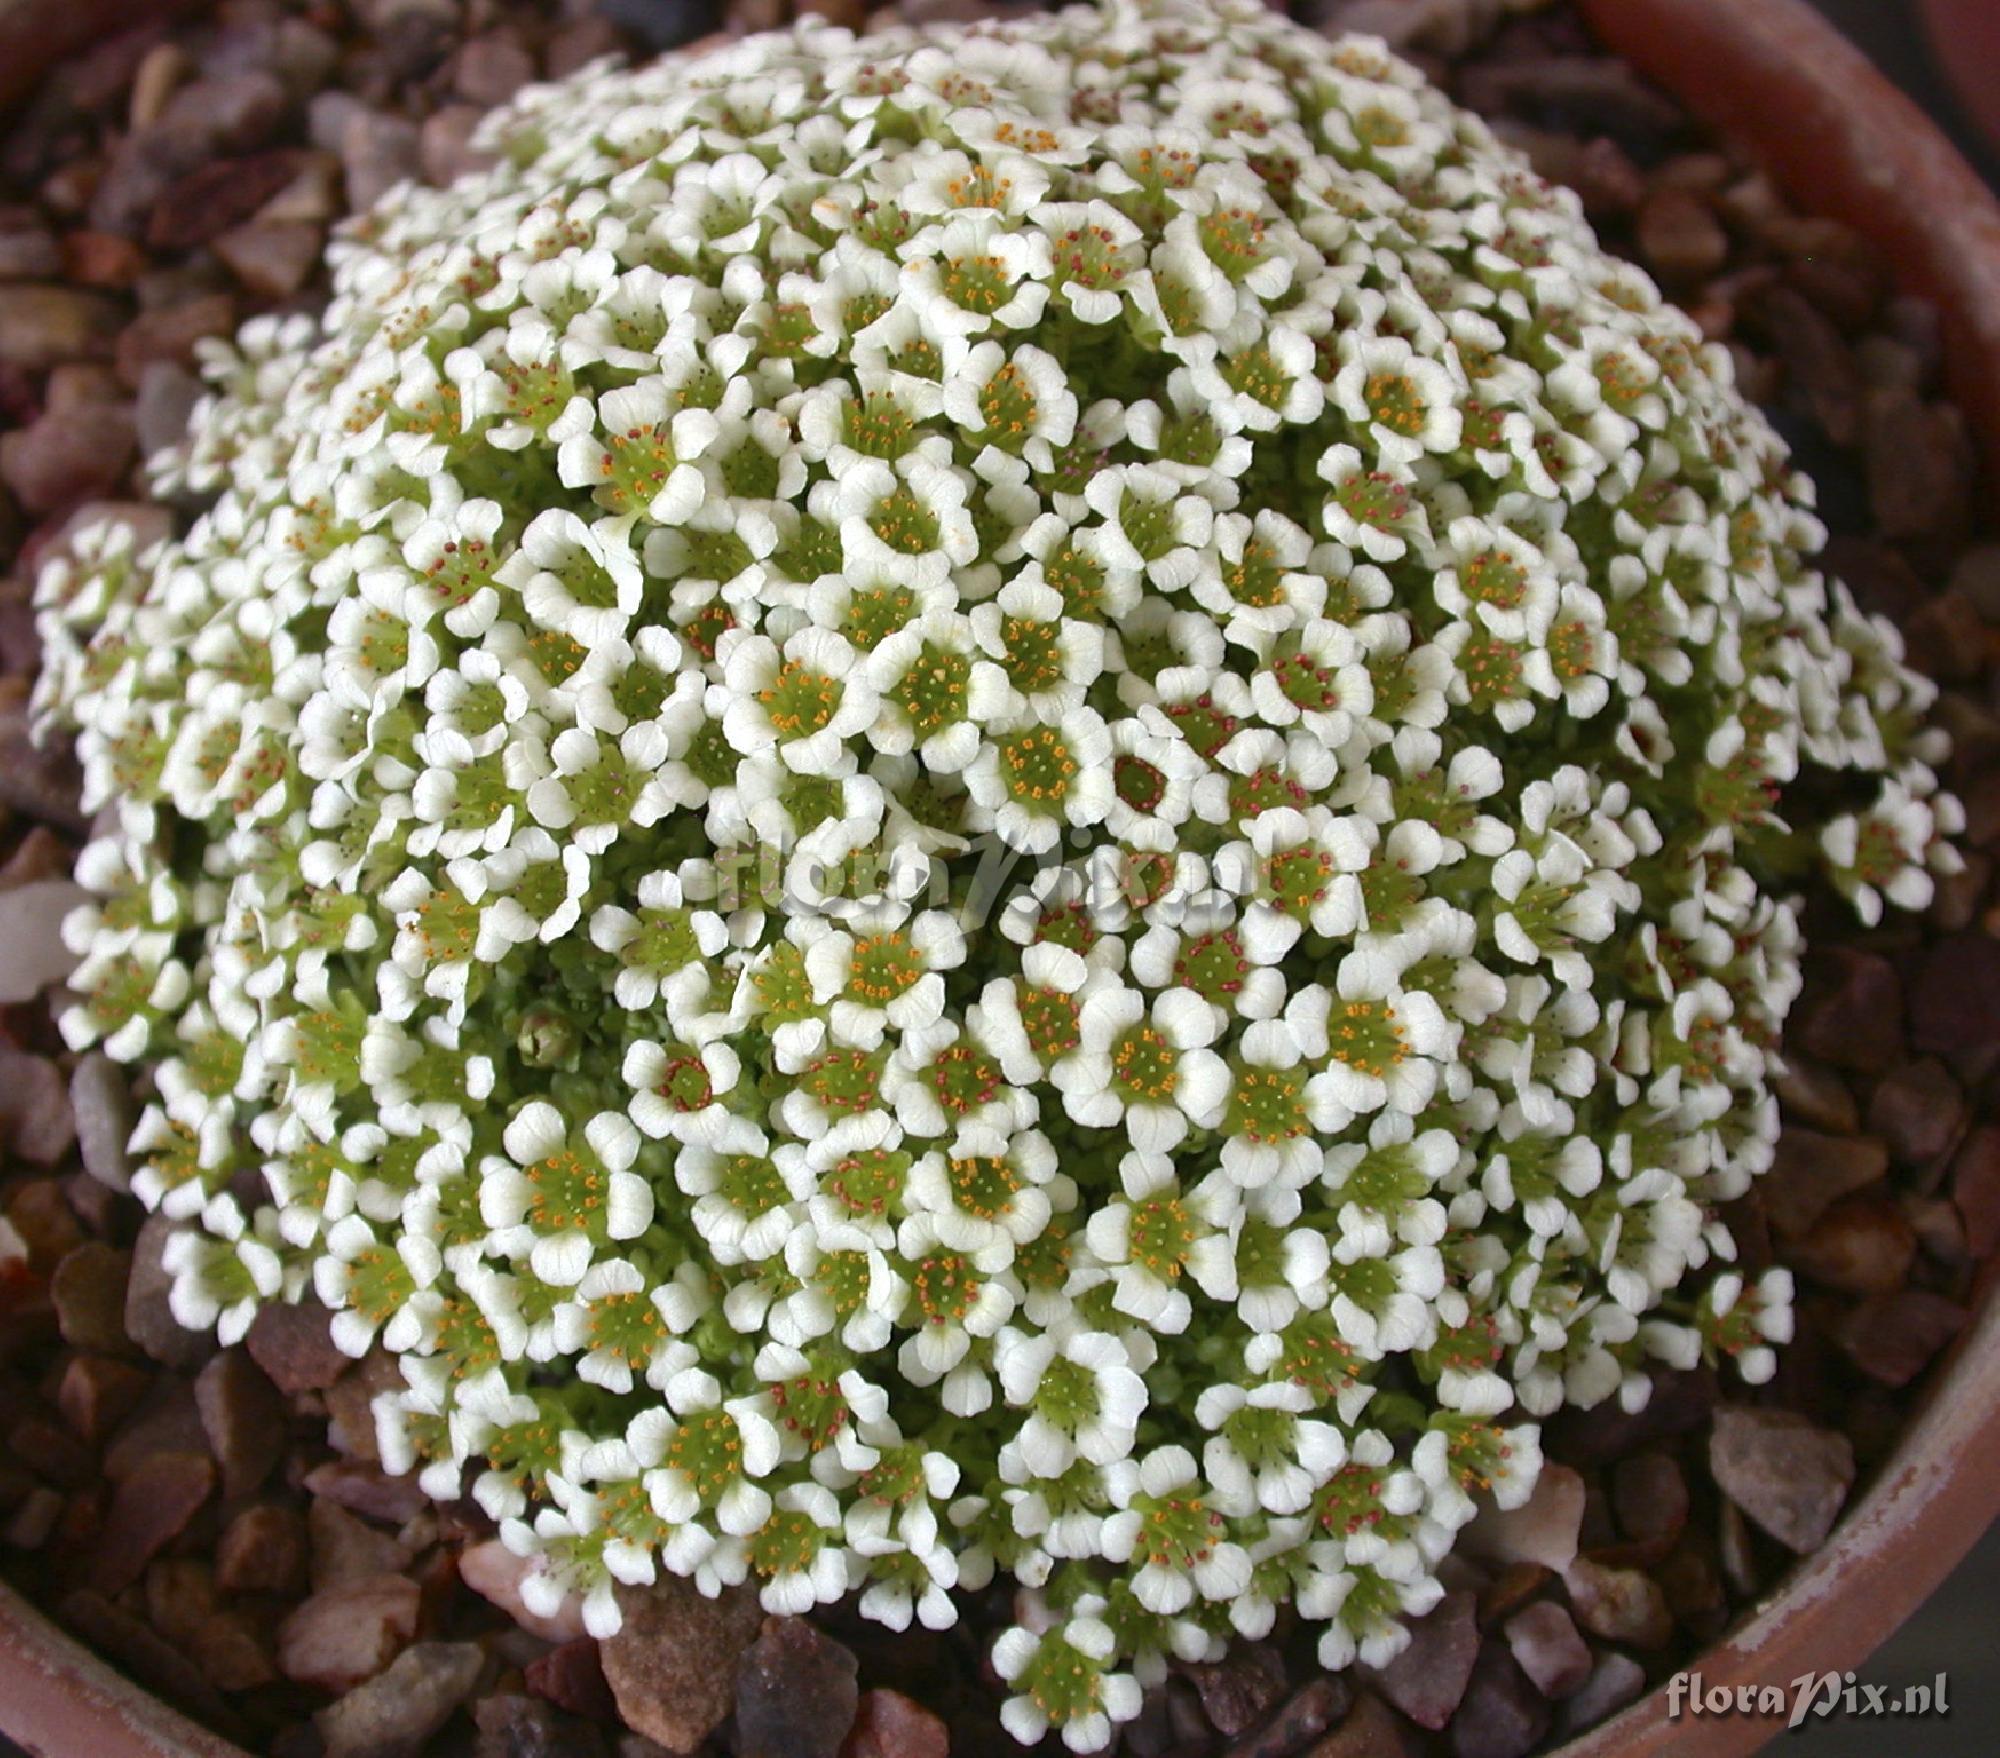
[(1024, 800)]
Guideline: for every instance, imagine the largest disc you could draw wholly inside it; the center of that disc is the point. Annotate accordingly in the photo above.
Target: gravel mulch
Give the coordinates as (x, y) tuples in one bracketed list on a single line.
[(218, 1524)]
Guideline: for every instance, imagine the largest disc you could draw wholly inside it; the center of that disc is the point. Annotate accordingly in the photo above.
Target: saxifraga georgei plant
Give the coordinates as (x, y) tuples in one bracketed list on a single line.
[(1028, 799)]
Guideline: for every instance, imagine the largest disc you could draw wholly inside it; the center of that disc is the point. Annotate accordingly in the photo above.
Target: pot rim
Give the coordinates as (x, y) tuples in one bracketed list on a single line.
[(1777, 77)]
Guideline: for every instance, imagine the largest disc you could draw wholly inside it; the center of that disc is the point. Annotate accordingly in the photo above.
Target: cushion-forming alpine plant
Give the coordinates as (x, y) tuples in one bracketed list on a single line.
[(1017, 800)]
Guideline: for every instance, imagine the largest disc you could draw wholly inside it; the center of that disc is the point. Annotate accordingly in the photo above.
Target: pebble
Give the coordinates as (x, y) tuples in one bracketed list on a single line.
[(102, 259), (28, 249), (1620, 1605), (32, 955), (889, 1725), (1680, 237), (35, 1118), (495, 1573), (244, 1418), (1427, 1680), (88, 1292), (1543, 1640), (1919, 465), (663, 24), (366, 1489), (672, 1665), (1304, 1717), (165, 1422), (1811, 1171), (1784, 1471), (1239, 1689), (1863, 1244), (1975, 1188), (796, 1695), (272, 258), (1650, 1498), (512, 1726), (444, 148), (1894, 1337), (490, 70), (149, 1510), (571, 1675), (1857, 1022), (377, 151), (148, 1657), (41, 854), (232, 1651), (169, 332), (1543, 1529), (1955, 999), (97, 1392), (1371, 1729), (100, 1097), (167, 396), (148, 1320), (68, 454), (263, 1550), (1918, 1110), (393, 1714), (42, 326), (293, 1344), (1502, 1716), (346, 1634), (218, 196), (1616, 1680)]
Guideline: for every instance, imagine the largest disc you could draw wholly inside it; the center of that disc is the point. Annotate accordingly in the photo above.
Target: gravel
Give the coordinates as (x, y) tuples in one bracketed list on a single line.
[(176, 182)]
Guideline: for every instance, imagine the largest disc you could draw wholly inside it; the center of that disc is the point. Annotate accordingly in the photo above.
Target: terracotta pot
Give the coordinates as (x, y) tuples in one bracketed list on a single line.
[(1774, 75), (1965, 44)]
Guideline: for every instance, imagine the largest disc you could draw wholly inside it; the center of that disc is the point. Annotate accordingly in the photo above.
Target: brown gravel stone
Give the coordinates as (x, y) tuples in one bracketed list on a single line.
[(1502, 1716), (1304, 1716), (393, 1714), (244, 1419), (489, 70), (1620, 1605), (263, 1550), (1371, 1729), (148, 1321), (1918, 1110), (88, 1290), (32, 954), (1861, 1245), (272, 258), (35, 1118), (1919, 465), (28, 249), (1543, 1529), (1650, 1497), (1856, 1021), (1679, 236), (1812, 1171), (295, 1348), (889, 1725), (350, 1405), (349, 1633), (1893, 1338), (1786, 1472), (365, 1489), (100, 1098), (150, 1659), (494, 1572), (1429, 1677), (795, 1693), (68, 455), (1543, 1640), (1817, 1097), (346, 1548), (572, 1676), (1239, 1689), (1616, 1680), (233, 1651), (42, 326), (171, 332), (376, 151), (151, 1508), (1975, 1188), (511, 1726), (1955, 1000), (672, 1665), (101, 259), (97, 1392)]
